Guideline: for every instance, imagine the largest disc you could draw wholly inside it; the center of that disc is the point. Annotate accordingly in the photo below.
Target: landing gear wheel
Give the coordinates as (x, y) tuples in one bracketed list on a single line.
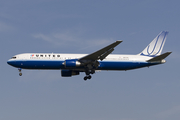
[(89, 77), (85, 78), (20, 74)]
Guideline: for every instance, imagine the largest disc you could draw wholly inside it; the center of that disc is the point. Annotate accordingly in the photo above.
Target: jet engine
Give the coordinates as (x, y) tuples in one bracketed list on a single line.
[(68, 73)]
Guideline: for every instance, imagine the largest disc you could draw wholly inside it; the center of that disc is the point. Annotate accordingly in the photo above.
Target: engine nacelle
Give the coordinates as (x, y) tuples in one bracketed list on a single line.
[(68, 73), (71, 63)]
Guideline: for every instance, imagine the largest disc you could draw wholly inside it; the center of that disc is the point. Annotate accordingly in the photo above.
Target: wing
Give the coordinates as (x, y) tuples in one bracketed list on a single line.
[(89, 63), (100, 54)]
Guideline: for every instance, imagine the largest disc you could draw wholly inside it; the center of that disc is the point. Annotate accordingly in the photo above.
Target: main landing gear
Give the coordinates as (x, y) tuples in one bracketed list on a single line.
[(90, 68), (87, 77), (88, 72), (20, 73)]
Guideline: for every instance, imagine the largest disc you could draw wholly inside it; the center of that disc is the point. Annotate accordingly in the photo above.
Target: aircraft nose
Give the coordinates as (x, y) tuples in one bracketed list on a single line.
[(9, 62), (12, 62)]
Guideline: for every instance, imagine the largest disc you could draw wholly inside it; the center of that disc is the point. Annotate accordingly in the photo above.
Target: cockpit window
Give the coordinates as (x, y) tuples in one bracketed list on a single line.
[(13, 57)]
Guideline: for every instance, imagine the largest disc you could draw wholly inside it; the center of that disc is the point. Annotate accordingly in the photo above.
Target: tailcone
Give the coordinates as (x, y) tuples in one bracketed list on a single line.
[(163, 61)]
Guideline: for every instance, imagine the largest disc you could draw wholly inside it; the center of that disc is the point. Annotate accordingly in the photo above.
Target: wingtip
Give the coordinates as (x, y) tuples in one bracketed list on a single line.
[(169, 52), (119, 41)]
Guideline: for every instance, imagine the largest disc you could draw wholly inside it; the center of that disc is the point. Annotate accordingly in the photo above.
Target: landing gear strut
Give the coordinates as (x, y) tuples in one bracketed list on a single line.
[(20, 73)]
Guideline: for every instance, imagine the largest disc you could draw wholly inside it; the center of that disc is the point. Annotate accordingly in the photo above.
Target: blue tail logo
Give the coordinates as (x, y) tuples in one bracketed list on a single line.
[(156, 46)]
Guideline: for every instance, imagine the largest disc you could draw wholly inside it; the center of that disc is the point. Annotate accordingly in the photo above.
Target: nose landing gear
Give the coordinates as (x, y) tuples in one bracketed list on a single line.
[(20, 73)]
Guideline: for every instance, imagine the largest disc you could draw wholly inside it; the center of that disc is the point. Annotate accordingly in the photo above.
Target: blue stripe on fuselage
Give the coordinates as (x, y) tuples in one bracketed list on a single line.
[(112, 65), (57, 64), (37, 64)]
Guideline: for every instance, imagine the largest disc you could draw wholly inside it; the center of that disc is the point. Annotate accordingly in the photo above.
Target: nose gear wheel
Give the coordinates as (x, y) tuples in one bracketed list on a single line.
[(20, 73)]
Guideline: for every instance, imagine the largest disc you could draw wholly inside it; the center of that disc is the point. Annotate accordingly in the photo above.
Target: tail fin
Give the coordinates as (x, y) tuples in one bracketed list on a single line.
[(156, 46)]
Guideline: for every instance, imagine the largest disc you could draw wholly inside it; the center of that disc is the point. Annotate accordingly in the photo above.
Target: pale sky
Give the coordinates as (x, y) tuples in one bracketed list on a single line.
[(83, 26)]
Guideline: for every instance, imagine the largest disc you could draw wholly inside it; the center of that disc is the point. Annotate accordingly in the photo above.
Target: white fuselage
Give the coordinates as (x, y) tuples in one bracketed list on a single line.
[(56, 60)]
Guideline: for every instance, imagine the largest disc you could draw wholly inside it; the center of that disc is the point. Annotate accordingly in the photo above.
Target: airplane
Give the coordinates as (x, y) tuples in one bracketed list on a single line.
[(73, 64)]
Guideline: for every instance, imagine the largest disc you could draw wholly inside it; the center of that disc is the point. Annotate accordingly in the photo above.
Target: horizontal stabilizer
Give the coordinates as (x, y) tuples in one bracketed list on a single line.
[(160, 57)]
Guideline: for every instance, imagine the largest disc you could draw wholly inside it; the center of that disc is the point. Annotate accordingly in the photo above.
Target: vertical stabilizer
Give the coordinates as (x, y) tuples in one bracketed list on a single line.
[(156, 46)]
